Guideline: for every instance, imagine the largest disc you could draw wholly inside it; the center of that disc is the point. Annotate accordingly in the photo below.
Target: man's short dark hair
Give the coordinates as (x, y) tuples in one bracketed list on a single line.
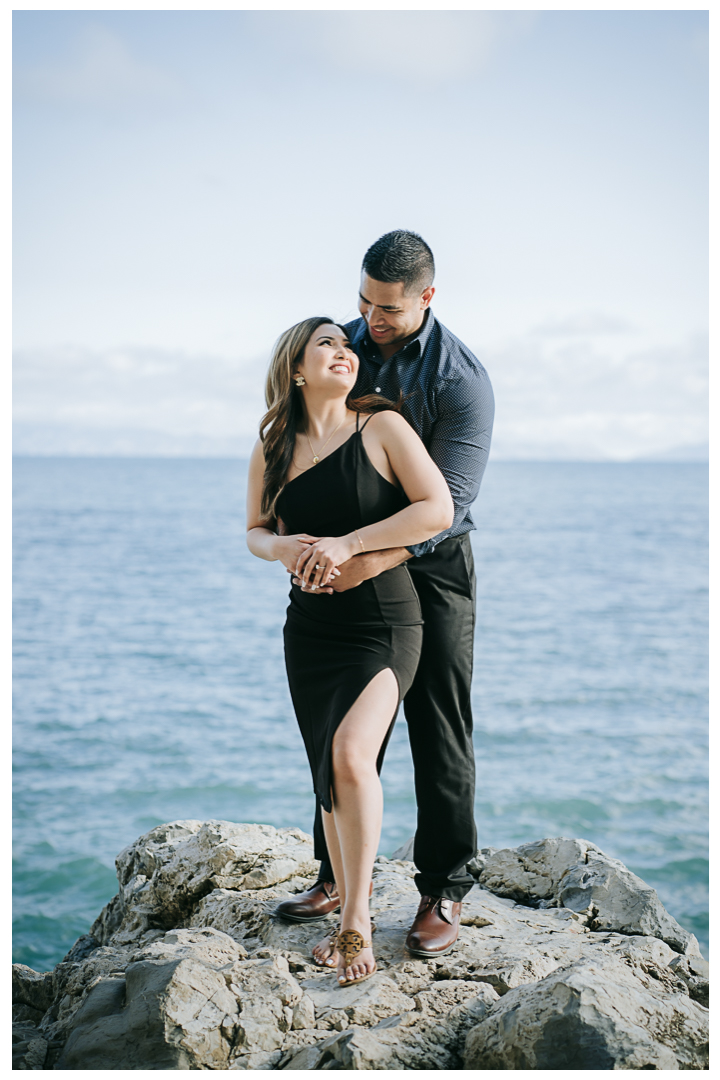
[(401, 256)]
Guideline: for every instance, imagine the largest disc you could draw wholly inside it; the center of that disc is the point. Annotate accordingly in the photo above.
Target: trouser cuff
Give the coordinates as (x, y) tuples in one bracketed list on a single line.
[(325, 873), (429, 885)]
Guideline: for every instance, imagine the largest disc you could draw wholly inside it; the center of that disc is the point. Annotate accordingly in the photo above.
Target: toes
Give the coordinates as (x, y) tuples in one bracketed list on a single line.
[(353, 972)]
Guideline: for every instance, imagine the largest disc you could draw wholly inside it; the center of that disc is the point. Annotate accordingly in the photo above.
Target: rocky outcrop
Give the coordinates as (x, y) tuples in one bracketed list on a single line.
[(578, 876), (565, 960)]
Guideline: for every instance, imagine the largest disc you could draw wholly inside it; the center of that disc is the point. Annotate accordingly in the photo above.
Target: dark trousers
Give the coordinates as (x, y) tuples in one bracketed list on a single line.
[(439, 719)]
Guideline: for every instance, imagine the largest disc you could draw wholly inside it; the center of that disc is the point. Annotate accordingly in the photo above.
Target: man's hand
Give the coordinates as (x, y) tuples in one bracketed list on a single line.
[(361, 568)]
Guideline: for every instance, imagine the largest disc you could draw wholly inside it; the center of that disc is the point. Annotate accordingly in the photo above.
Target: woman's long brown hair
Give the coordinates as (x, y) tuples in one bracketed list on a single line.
[(284, 418)]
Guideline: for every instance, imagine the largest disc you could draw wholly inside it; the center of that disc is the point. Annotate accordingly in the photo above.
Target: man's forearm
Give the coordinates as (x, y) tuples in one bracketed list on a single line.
[(363, 567)]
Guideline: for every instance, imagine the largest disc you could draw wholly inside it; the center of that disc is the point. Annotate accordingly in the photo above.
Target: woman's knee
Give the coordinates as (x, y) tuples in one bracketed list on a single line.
[(352, 764)]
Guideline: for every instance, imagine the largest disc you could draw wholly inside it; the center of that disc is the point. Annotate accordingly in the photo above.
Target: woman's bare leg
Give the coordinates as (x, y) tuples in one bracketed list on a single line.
[(357, 808)]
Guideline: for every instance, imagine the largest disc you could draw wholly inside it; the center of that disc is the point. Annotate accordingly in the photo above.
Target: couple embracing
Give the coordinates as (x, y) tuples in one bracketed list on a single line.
[(370, 455)]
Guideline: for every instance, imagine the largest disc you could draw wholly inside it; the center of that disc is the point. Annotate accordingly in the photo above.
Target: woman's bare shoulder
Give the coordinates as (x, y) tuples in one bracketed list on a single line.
[(258, 451), (390, 424), (257, 458)]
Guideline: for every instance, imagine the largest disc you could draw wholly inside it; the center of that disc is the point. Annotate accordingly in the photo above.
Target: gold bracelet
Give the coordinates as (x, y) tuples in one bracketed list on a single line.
[(362, 546)]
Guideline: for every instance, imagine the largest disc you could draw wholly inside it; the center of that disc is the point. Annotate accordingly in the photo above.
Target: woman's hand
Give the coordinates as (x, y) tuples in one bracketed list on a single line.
[(317, 565), (362, 568), (288, 549)]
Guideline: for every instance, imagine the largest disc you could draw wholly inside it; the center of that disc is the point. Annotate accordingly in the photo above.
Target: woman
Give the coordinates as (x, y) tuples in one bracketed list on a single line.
[(329, 478)]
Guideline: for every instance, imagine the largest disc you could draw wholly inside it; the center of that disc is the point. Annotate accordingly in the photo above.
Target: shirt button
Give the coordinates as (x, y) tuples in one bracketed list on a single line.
[(378, 389)]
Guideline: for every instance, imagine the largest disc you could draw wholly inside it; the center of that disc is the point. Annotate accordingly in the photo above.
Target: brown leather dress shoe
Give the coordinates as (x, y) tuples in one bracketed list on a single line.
[(436, 927), (313, 905)]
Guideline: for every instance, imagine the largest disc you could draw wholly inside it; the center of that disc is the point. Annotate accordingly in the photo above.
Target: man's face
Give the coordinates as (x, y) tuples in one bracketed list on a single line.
[(391, 314)]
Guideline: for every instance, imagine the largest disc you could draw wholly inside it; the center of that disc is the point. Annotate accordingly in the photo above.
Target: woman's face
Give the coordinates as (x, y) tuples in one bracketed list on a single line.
[(328, 363)]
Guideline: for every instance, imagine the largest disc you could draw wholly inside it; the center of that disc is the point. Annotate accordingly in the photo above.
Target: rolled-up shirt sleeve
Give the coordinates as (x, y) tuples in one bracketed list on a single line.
[(460, 445)]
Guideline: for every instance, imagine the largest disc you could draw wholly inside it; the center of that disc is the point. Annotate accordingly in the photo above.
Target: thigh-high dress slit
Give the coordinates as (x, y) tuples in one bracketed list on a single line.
[(336, 644)]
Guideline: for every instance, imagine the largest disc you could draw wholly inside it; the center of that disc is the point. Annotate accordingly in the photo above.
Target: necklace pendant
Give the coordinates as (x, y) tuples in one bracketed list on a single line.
[(315, 460)]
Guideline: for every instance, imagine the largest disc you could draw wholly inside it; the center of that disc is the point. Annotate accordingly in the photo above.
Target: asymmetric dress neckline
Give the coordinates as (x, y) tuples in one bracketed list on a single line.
[(357, 433)]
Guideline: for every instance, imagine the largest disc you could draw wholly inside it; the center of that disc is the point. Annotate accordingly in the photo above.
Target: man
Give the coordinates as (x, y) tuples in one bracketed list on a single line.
[(449, 402)]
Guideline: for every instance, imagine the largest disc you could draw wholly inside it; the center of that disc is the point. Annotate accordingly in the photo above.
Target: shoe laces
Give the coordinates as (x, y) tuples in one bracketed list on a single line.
[(443, 905)]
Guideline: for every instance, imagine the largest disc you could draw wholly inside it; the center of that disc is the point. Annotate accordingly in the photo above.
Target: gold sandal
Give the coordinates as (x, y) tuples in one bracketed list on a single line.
[(332, 943), (350, 944)]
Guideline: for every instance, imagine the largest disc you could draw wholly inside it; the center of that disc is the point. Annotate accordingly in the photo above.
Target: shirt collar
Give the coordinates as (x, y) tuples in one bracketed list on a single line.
[(411, 350)]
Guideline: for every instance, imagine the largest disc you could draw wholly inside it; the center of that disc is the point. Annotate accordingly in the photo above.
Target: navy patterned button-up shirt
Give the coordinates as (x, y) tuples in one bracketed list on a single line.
[(448, 401)]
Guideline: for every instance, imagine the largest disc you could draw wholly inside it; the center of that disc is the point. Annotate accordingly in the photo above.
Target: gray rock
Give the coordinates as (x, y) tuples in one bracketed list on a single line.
[(574, 874), (82, 948), (32, 988), (532, 872), (29, 1049), (24, 1014), (406, 851), (432, 1039), (477, 864), (594, 1014), (187, 968), (168, 871), (168, 1011), (365, 1003), (695, 973), (303, 1013)]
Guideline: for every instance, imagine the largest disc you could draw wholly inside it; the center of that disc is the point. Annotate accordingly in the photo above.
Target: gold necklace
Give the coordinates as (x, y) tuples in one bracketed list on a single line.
[(316, 457)]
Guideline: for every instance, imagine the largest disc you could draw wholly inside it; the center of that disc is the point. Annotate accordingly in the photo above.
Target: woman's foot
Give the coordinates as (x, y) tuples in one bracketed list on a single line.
[(356, 961), (325, 953)]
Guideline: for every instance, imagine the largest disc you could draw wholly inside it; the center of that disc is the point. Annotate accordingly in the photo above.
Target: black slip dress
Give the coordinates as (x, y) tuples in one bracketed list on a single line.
[(336, 644)]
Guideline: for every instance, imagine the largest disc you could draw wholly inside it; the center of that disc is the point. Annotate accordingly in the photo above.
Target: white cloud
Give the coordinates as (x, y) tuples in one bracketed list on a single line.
[(565, 399), (577, 399), (586, 323), (601, 436), (135, 401), (102, 72), (419, 45), (422, 47)]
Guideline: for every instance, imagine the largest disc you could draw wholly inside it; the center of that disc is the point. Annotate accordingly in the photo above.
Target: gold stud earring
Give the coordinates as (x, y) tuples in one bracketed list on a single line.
[(299, 381)]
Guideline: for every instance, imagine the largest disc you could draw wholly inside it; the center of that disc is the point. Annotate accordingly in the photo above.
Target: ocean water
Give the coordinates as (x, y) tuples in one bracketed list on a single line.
[(149, 680)]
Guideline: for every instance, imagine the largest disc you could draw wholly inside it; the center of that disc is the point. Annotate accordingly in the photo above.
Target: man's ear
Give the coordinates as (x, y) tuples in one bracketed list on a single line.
[(426, 296)]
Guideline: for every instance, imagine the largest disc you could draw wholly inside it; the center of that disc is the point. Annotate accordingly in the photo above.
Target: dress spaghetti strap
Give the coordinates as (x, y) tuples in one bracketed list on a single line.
[(365, 424)]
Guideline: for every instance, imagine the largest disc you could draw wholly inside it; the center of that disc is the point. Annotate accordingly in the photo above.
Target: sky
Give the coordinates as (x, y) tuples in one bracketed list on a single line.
[(188, 184)]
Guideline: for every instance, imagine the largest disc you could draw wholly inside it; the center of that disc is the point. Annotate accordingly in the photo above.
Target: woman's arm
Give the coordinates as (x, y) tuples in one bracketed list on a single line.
[(262, 540), (430, 510)]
